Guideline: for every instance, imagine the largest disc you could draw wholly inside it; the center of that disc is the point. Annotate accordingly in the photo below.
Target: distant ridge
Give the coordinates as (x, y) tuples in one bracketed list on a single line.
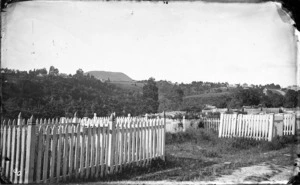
[(112, 76)]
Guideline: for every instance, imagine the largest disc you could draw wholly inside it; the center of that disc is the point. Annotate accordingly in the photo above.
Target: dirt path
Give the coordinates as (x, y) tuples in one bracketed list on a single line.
[(264, 172)]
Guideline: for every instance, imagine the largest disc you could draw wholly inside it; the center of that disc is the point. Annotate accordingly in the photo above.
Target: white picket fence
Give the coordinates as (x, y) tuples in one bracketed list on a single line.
[(211, 123), (48, 151), (260, 127), (289, 124)]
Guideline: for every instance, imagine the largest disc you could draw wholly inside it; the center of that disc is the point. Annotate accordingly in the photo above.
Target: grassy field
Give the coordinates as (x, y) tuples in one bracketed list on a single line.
[(199, 155), (208, 95), (130, 85)]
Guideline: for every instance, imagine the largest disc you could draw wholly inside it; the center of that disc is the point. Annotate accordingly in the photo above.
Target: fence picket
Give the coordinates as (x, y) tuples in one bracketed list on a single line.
[(46, 154), (121, 146), (77, 151), (97, 151), (53, 151), (88, 152), (65, 153), (107, 130), (59, 153), (13, 147), (82, 147), (23, 154), (8, 151), (102, 139), (72, 147), (18, 141)]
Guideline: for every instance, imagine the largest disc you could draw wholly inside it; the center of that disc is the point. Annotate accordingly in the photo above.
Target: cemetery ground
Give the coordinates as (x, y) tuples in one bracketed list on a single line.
[(199, 155)]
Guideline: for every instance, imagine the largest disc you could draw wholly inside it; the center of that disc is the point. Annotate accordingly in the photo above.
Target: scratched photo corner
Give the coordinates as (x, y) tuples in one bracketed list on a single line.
[(150, 92)]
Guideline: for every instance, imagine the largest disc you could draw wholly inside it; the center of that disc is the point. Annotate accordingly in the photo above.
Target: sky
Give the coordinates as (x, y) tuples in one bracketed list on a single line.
[(178, 41)]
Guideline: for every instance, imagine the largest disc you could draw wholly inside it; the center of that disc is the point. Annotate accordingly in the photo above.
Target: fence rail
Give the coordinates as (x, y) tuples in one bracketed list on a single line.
[(50, 151)]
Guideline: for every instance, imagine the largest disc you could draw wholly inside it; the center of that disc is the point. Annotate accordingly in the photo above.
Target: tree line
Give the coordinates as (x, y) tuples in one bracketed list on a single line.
[(49, 93)]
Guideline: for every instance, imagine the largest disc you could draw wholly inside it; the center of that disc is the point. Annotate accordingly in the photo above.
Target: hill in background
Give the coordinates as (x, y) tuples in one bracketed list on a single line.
[(110, 76)]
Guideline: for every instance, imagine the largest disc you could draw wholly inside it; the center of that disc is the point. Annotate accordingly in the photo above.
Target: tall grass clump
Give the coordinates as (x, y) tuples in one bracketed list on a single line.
[(277, 143), (192, 135), (209, 139)]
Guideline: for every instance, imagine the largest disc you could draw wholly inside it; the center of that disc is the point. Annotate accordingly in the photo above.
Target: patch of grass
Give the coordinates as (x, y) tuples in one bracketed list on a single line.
[(203, 137), (181, 137), (210, 153), (204, 156), (277, 143), (131, 171)]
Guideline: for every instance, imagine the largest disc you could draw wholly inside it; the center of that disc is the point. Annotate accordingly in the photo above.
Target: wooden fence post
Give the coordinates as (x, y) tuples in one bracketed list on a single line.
[(30, 151), (111, 144), (294, 125), (221, 125), (271, 126), (234, 132), (164, 138)]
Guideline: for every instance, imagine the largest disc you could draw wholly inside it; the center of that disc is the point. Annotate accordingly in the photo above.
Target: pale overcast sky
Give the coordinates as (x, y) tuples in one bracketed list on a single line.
[(179, 41)]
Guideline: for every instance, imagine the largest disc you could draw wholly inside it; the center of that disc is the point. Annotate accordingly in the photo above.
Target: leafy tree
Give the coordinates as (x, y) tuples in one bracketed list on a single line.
[(150, 96), (291, 99), (53, 71), (79, 73), (41, 71), (245, 97)]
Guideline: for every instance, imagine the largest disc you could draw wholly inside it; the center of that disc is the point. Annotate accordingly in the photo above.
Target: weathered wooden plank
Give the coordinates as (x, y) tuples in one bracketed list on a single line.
[(125, 142), (13, 170), (77, 151), (59, 153), (145, 142), (271, 125), (221, 125), (121, 159), (150, 140), (83, 145), (18, 142), (102, 152), (112, 143), (132, 141), (129, 143), (72, 147), (46, 155), (8, 151), (107, 130), (140, 142), (116, 153), (23, 154), (93, 151), (3, 144), (66, 152), (158, 137), (97, 151), (53, 152), (87, 153)]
